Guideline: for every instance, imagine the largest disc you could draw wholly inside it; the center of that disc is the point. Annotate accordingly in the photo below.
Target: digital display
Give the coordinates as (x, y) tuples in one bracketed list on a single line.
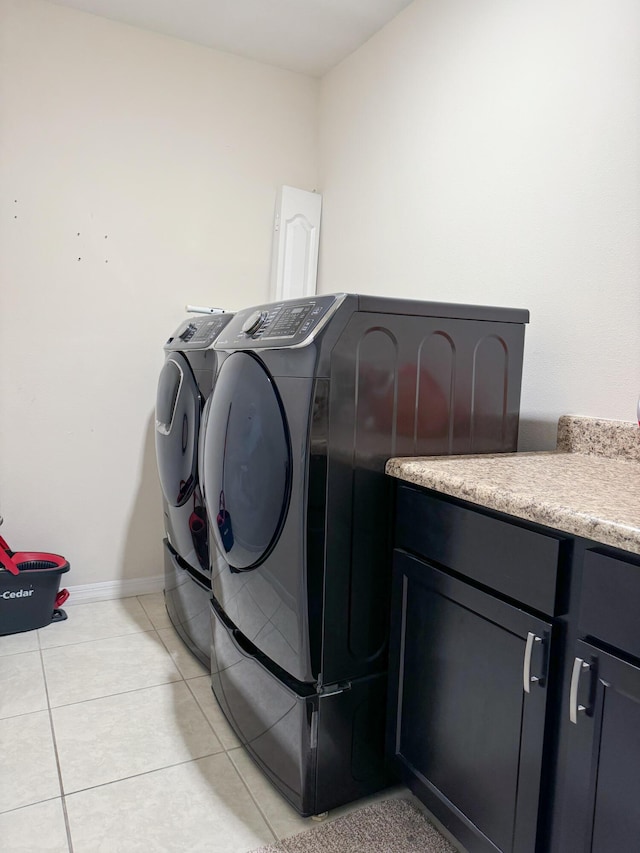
[(288, 322)]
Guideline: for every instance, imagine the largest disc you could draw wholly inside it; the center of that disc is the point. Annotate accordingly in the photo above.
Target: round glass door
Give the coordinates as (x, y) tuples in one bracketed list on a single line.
[(178, 407), (246, 462)]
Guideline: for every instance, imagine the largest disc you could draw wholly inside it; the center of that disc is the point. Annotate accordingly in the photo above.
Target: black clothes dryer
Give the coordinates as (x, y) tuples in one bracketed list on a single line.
[(185, 383), (312, 399)]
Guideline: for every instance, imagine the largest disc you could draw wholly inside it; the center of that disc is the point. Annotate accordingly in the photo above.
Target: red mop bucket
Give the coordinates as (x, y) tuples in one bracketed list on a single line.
[(29, 584)]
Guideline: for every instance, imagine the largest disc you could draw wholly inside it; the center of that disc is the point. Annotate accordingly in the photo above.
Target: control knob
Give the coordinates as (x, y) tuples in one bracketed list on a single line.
[(253, 322), (189, 332)]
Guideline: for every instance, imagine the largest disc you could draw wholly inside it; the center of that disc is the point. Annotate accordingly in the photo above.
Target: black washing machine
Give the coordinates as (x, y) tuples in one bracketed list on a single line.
[(186, 381), (313, 397)]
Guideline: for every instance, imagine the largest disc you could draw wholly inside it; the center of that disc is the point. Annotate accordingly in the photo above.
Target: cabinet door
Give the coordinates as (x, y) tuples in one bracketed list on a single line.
[(603, 778), (467, 706)]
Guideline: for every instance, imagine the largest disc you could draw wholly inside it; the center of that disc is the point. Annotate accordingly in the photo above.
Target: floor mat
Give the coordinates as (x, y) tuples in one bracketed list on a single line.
[(391, 826)]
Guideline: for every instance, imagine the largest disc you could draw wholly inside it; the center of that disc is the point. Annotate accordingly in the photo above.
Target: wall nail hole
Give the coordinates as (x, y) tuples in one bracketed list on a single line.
[(79, 259), (15, 217), (78, 233), (105, 236)]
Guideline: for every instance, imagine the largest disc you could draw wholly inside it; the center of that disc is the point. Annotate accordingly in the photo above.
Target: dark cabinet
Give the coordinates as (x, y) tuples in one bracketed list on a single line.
[(514, 679), (603, 755), (470, 700), (601, 811), (516, 561)]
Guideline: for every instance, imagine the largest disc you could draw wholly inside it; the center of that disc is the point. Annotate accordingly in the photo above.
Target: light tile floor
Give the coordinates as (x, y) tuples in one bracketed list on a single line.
[(111, 741)]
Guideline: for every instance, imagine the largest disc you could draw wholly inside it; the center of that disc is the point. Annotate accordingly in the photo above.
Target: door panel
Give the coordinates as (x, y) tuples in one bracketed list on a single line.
[(604, 755), (178, 406), (247, 462), (466, 731), (267, 602)]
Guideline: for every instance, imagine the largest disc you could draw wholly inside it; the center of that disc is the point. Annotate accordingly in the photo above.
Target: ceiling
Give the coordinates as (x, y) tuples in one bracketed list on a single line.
[(308, 36)]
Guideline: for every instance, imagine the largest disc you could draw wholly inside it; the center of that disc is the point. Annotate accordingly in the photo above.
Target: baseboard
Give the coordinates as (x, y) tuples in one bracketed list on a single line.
[(88, 592)]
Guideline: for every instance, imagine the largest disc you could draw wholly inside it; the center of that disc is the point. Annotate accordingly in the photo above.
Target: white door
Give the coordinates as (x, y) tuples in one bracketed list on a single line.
[(296, 237)]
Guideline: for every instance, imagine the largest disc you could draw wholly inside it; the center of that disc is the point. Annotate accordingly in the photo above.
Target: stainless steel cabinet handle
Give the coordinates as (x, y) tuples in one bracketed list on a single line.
[(579, 666), (527, 678)]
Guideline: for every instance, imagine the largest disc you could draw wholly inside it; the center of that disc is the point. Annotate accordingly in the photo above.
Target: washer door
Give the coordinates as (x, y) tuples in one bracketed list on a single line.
[(246, 465), (178, 406)]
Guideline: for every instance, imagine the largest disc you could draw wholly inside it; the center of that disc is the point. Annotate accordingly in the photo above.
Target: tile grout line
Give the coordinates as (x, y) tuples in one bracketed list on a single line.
[(183, 678), (139, 630), (63, 801), (98, 639), (204, 714), (195, 698), (142, 773), (152, 630), (188, 678), (49, 710), (168, 650), (28, 805), (254, 799), (225, 751), (62, 796), (109, 695)]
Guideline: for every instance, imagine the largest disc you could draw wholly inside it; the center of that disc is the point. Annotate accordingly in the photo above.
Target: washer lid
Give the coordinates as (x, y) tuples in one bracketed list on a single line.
[(246, 465), (178, 406)]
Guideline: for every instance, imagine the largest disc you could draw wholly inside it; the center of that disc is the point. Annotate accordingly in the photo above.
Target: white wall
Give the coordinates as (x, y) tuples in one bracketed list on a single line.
[(138, 173), (471, 151), (487, 151)]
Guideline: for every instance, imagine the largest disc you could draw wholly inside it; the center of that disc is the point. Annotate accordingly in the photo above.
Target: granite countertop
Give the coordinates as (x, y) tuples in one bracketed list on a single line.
[(589, 486)]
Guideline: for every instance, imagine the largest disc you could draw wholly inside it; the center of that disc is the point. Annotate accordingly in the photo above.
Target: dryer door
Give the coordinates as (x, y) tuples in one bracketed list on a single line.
[(246, 464), (178, 406)]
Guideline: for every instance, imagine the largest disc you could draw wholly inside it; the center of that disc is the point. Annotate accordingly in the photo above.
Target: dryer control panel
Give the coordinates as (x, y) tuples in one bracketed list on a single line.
[(293, 323), (198, 332)]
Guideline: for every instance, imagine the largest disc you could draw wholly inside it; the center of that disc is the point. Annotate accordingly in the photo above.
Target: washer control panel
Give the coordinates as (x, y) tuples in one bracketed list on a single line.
[(198, 332), (280, 324)]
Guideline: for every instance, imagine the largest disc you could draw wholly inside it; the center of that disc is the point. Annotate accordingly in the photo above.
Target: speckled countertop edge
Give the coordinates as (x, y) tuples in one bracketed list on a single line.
[(581, 492)]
